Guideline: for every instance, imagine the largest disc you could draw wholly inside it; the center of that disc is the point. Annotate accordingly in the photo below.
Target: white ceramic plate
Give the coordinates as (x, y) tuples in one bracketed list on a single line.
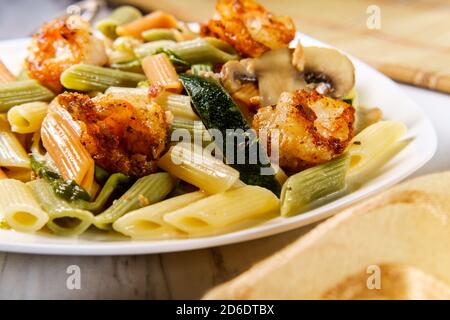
[(374, 89)]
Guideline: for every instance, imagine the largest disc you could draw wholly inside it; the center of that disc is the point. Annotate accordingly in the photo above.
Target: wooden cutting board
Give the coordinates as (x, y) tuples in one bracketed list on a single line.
[(412, 44)]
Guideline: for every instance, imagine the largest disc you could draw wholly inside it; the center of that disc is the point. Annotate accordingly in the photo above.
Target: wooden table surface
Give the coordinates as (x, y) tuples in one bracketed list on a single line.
[(181, 275)]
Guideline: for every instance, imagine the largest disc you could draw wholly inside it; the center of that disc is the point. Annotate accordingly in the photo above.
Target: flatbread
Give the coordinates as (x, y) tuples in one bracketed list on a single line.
[(393, 246)]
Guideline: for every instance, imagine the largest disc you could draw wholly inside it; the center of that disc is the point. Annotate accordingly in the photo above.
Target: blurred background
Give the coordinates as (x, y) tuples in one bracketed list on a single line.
[(18, 18), (408, 40)]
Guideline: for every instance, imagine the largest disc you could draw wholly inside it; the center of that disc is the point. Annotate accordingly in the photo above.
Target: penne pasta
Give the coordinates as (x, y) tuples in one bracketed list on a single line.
[(311, 187), (221, 45), (199, 169), (65, 189), (148, 49), (21, 174), (371, 149), (64, 219), (61, 140), (145, 191), (365, 117), (120, 16), (5, 75), (129, 66), (126, 44), (101, 175), (23, 75), (280, 175), (246, 93), (199, 69), (83, 77), (156, 19), (19, 207), (179, 105), (139, 92), (28, 117), (196, 129), (160, 72), (20, 92), (12, 153), (159, 34), (225, 211), (352, 98), (200, 51), (108, 189), (120, 57), (122, 52), (192, 126), (148, 223)]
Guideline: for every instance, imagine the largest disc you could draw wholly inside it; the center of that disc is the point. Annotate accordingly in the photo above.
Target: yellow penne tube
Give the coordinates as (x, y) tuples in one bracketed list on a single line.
[(225, 211), (12, 153), (245, 93), (148, 223), (372, 148), (156, 19), (199, 169), (63, 144), (28, 117), (19, 208), (5, 74), (160, 72), (179, 105)]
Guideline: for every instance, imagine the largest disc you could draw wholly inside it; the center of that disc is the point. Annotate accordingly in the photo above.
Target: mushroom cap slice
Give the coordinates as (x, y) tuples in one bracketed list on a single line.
[(276, 75), (331, 64)]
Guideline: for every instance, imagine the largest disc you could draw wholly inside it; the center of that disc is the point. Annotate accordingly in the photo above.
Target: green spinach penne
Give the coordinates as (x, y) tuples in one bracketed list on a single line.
[(145, 191), (314, 186)]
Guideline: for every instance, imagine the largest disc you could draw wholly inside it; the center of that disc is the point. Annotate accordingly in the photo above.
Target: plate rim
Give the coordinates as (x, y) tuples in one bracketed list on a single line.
[(132, 247)]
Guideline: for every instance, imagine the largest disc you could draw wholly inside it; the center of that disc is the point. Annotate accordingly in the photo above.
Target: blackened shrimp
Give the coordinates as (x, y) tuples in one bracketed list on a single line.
[(60, 44), (122, 135), (249, 27), (312, 128)]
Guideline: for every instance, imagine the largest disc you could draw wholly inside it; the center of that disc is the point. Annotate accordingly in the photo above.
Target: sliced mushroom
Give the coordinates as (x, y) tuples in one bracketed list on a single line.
[(235, 74), (331, 69), (282, 70), (239, 79), (276, 75)]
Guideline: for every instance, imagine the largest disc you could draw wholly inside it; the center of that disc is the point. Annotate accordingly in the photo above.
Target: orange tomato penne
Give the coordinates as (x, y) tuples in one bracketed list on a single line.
[(161, 72), (63, 144), (157, 19), (5, 74)]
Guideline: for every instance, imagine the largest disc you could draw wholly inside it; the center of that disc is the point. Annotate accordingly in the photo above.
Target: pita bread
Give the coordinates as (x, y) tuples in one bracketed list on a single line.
[(402, 234)]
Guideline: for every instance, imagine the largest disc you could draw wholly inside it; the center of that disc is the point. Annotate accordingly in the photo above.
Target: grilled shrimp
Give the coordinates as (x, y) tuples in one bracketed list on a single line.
[(121, 134), (312, 128), (249, 27), (60, 44)]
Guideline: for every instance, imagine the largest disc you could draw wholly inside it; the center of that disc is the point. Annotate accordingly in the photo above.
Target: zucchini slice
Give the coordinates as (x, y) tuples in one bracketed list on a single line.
[(218, 111)]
